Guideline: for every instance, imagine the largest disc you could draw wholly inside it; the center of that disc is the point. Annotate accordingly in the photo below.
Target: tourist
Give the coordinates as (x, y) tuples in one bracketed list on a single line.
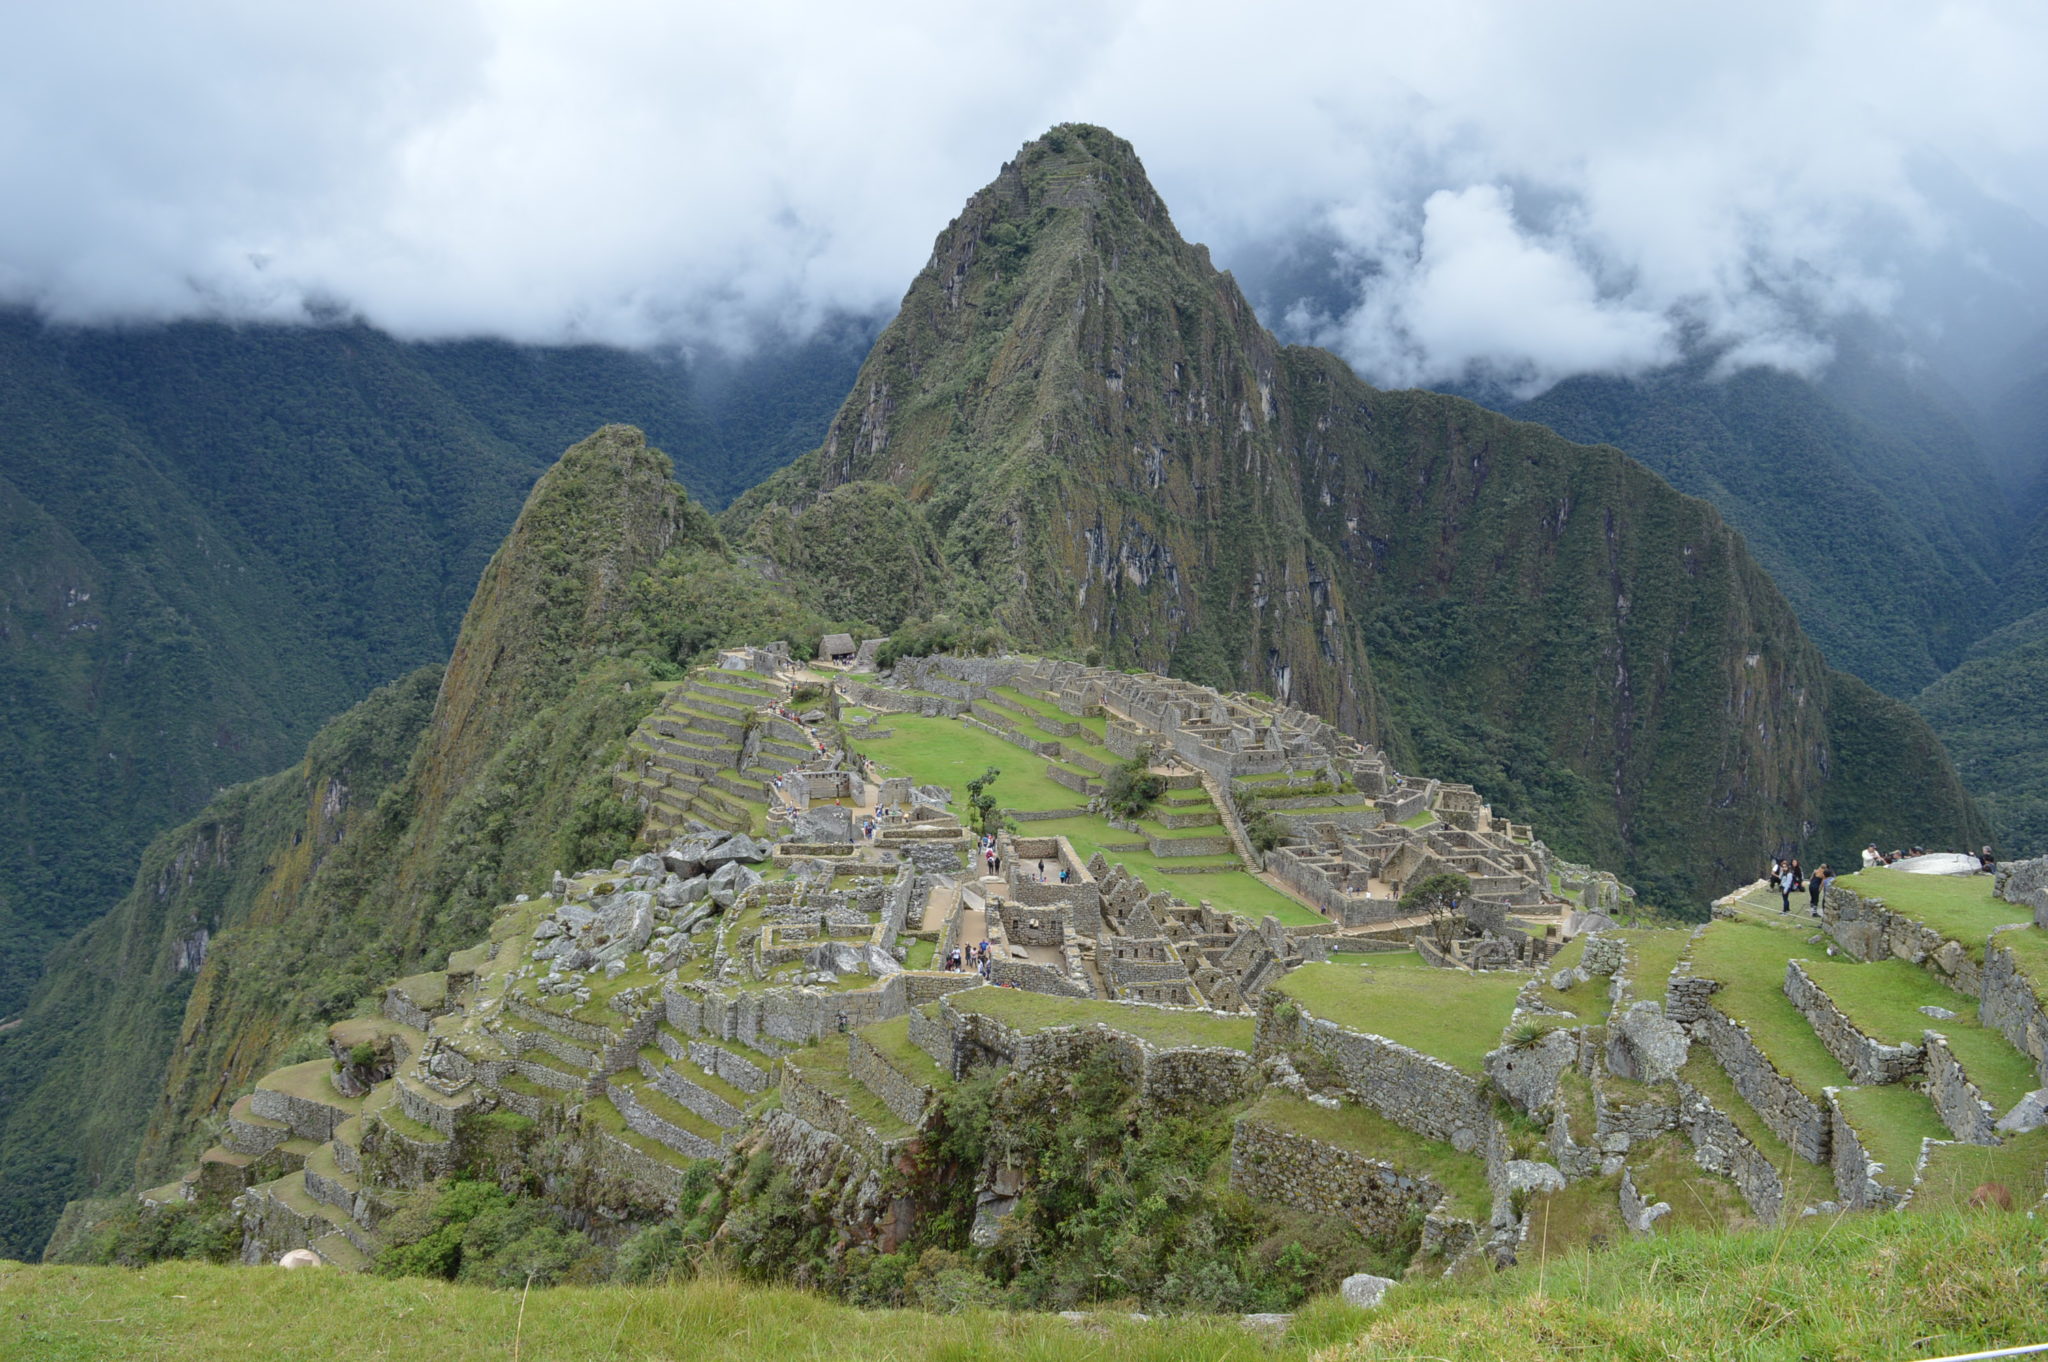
[(1814, 886), (1872, 856), (1785, 890), (1986, 861), (1798, 876)]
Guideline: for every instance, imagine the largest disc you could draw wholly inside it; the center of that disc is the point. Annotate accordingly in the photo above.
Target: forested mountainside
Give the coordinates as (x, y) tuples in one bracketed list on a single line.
[(1110, 455), (213, 538), (1866, 499), (412, 815)]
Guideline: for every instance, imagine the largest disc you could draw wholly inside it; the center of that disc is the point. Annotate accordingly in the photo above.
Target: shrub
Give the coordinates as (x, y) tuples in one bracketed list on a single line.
[(1131, 789)]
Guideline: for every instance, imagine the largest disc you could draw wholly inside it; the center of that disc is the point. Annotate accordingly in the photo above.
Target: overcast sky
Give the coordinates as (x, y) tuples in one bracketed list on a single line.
[(1535, 189)]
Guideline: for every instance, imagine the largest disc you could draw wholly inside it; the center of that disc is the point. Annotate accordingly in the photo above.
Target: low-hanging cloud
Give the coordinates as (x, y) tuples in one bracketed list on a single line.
[(1507, 190)]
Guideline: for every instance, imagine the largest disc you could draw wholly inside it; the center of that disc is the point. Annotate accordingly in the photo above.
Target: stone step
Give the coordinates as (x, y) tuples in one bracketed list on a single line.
[(435, 1110), (223, 1175), (328, 1181), (348, 1145)]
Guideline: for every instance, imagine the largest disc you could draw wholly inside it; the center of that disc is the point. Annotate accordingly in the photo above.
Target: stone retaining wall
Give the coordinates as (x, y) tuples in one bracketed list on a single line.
[(1271, 1164), (1719, 1146), (308, 1119), (907, 1100), (690, 1095), (2012, 1006), (1856, 1180), (431, 1114), (828, 1112), (641, 1121), (575, 1030), (722, 1063), (1958, 1101), (1867, 1059), (1793, 1117), (1409, 1088), (1869, 931), (660, 1182)]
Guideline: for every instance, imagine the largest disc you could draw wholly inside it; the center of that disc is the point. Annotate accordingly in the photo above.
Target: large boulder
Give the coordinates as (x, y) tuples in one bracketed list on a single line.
[(822, 823), (1527, 1074), (1645, 1045), (624, 924), (1364, 1290), (729, 881), (2029, 1113), (676, 892)]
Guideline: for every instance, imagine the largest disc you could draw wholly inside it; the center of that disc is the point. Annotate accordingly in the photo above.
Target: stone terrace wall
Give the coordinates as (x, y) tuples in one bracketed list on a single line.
[(1868, 1060), (1409, 1088), (1855, 1171), (826, 1111), (2025, 883), (1793, 1117), (1269, 1163), (2010, 1004), (1720, 1147), (1195, 1079), (1869, 931), (1959, 1102), (907, 1100)]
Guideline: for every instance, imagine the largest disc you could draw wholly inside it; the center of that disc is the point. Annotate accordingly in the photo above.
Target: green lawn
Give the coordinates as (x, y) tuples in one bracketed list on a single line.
[(1655, 952), (918, 954), (1420, 820), (1890, 1120), (1161, 1026), (825, 1066), (1401, 959), (1883, 1001), (1749, 960), (1960, 907), (1364, 1131), (1454, 1016)]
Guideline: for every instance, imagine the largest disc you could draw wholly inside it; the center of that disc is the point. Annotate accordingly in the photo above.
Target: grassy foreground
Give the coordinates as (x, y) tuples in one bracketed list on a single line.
[(1861, 1287)]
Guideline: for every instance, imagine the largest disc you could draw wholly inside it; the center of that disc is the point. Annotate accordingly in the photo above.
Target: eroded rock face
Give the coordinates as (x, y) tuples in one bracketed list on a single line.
[(1528, 1175), (2029, 1113)]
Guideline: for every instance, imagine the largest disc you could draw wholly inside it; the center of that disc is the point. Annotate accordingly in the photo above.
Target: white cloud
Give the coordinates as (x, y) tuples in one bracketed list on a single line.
[(1549, 188)]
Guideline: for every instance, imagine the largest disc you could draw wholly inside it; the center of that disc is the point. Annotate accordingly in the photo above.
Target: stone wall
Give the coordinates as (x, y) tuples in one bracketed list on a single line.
[(1271, 1164), (1184, 1080), (1867, 930), (1719, 1146), (2012, 1005), (1868, 1060), (1959, 1102), (1793, 1117), (641, 1121), (1407, 1087), (2025, 883), (828, 1112), (907, 1100), (658, 1182), (1856, 1180)]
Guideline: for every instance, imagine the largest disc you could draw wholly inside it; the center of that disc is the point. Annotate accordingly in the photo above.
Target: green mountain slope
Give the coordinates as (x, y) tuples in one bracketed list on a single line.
[(1872, 511), (1114, 455), (1992, 715), (289, 898), (212, 538)]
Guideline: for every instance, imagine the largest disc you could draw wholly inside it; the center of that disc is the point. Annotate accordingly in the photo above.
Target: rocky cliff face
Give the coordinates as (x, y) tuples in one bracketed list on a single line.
[(1116, 456)]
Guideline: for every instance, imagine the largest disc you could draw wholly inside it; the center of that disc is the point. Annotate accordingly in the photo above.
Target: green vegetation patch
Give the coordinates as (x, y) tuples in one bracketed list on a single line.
[(1748, 958), (1959, 907), (1449, 1014), (1364, 1131), (824, 1065), (1162, 1026), (1654, 953), (1955, 1171), (892, 1039), (1883, 1001), (1890, 1120)]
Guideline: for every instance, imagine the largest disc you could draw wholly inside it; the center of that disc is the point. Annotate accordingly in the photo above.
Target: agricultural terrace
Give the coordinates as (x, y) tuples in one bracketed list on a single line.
[(1452, 1016)]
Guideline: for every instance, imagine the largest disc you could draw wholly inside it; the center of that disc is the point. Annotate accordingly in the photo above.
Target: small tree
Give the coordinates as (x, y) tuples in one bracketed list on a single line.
[(1131, 789), (983, 803), (1438, 897)]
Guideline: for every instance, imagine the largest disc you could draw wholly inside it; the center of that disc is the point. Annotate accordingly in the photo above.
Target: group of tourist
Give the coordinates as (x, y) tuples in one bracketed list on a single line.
[(1788, 878), (1986, 861), (974, 958), (990, 857), (1042, 872)]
